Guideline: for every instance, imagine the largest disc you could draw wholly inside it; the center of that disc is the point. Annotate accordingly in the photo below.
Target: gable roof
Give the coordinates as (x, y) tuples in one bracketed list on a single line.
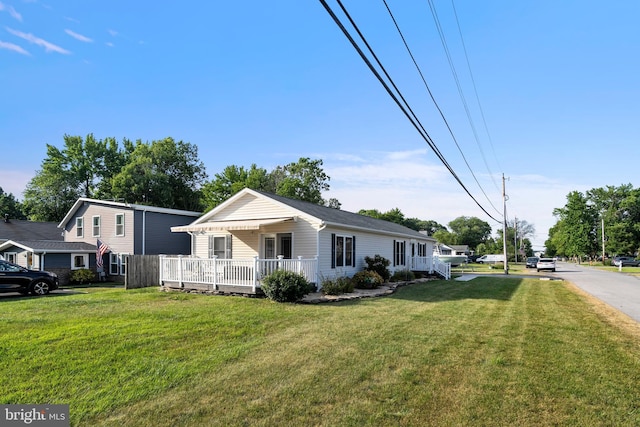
[(49, 246), (122, 205), (324, 214), (19, 229)]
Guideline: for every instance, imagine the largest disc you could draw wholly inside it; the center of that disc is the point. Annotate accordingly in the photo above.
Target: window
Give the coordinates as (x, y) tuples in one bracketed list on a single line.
[(123, 263), (113, 264), (96, 226), (399, 247), (422, 249), (275, 245), (12, 257), (79, 261), (269, 247), (80, 227), (220, 246), (343, 250), (120, 224)]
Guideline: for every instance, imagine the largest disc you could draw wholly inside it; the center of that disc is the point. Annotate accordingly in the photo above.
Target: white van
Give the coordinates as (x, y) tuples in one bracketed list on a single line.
[(490, 259)]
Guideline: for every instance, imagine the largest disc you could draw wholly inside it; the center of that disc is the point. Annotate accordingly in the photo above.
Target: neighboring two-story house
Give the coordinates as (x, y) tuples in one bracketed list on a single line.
[(125, 229)]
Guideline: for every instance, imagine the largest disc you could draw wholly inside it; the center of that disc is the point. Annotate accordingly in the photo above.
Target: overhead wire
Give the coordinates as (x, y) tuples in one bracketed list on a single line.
[(454, 72), (455, 140), (475, 89), (406, 109)]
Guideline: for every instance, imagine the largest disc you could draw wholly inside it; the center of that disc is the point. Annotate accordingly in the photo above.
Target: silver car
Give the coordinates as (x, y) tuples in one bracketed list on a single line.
[(546, 264)]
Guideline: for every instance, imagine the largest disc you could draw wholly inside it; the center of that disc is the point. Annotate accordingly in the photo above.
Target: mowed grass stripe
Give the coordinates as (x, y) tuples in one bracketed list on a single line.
[(492, 351)]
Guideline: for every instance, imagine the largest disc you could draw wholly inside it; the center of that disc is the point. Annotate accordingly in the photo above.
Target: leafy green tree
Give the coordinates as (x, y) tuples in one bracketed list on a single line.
[(619, 208), (575, 235), (446, 237), (10, 206), (230, 181), (301, 180), (162, 173), (470, 231), (66, 174)]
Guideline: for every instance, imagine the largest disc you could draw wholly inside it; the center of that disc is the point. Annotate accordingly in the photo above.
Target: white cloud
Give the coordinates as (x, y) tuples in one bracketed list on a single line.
[(112, 32), (14, 13), (79, 37), (420, 189), (48, 47), (13, 47)]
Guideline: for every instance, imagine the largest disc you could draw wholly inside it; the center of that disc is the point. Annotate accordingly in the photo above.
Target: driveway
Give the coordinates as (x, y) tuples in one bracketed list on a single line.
[(619, 290)]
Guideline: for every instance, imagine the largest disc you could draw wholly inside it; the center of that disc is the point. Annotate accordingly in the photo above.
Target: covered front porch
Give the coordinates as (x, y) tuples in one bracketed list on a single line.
[(229, 275), (245, 275)]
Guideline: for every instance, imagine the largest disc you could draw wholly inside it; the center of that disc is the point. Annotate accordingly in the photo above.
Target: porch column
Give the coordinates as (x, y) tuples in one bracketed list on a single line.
[(254, 272)]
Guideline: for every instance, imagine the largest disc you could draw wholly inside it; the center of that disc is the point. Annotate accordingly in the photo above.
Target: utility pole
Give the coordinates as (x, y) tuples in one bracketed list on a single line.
[(515, 238), (504, 227), (603, 239)]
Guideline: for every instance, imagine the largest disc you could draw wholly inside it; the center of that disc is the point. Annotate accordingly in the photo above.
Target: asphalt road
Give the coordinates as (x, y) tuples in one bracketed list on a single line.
[(619, 290)]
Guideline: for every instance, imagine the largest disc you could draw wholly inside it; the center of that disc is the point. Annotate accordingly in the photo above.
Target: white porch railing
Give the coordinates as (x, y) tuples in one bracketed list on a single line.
[(215, 272), (422, 263), (442, 268)]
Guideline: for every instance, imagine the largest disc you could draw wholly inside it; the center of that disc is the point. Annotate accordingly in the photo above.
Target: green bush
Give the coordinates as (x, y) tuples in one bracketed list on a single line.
[(367, 279), (402, 276), (380, 265), (285, 286), (83, 275), (337, 286)]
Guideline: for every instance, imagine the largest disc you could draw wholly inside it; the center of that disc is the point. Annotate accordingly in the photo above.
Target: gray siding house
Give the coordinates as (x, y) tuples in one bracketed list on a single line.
[(126, 229)]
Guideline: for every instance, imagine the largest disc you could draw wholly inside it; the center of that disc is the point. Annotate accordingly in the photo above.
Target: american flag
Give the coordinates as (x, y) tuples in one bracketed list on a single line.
[(101, 249)]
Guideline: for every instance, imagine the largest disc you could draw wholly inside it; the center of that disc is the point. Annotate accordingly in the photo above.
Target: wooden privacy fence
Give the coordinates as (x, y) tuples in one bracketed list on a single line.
[(143, 271)]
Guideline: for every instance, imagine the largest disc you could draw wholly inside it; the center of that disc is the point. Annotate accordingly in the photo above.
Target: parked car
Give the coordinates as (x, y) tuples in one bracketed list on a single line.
[(14, 278), (546, 264), (626, 260), (532, 261)]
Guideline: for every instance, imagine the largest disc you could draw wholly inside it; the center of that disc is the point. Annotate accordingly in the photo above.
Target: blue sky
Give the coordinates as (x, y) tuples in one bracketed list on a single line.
[(270, 82)]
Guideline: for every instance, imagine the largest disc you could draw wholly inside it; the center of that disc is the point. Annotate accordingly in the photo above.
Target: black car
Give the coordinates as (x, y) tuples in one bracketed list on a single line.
[(532, 261), (14, 278)]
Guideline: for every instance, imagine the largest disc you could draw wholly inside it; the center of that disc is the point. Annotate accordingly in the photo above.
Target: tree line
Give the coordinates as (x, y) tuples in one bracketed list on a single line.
[(169, 173), (579, 231)]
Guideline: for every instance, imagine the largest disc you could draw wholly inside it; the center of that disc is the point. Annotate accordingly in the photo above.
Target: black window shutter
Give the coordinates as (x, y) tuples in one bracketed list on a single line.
[(353, 252), (394, 253), (333, 250)]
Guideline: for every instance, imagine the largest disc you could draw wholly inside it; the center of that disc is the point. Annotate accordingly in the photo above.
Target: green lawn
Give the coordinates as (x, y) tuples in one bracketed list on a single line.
[(489, 352)]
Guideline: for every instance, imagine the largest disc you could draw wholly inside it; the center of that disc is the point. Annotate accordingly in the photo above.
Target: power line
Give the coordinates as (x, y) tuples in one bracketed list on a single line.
[(406, 45), (475, 89), (412, 117), (454, 72)]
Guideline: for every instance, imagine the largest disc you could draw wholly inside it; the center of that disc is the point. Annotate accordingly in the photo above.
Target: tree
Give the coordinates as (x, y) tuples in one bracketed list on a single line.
[(301, 180), (66, 174), (470, 231), (230, 181), (10, 206), (163, 173), (575, 234), (446, 237)]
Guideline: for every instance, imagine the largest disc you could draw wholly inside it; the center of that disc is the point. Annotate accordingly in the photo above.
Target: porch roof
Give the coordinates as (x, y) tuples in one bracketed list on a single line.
[(241, 224)]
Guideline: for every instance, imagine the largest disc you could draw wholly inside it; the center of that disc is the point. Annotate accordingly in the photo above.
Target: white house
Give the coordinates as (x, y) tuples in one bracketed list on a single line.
[(253, 232)]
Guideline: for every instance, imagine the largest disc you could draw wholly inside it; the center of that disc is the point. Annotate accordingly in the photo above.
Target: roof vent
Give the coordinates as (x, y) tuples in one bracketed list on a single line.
[(6, 217)]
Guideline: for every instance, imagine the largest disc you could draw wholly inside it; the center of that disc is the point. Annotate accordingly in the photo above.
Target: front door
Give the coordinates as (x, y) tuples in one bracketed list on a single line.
[(275, 245)]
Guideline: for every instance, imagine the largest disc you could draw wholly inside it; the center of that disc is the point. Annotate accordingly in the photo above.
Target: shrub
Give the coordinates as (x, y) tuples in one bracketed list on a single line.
[(403, 276), (380, 265), (285, 286), (367, 279), (337, 286), (83, 275)]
